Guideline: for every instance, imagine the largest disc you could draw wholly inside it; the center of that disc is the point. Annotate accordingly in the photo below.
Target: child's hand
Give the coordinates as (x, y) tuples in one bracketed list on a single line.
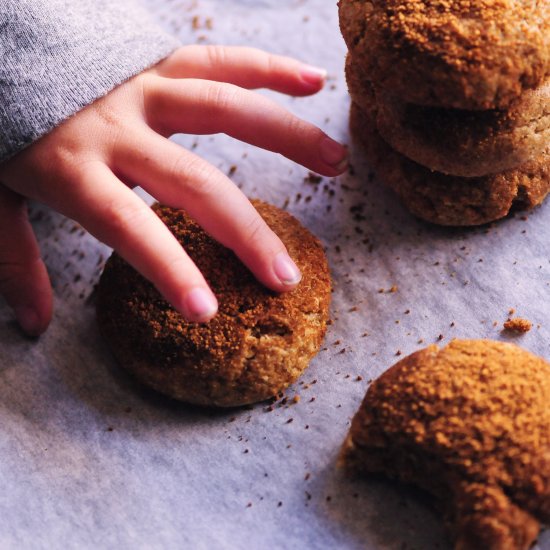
[(86, 167)]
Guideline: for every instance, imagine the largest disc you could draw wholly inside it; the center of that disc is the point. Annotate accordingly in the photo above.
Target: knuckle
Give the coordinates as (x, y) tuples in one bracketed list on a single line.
[(108, 113), (65, 156), (256, 233), (147, 84), (295, 126), (180, 269), (223, 97), (199, 178), (216, 55), (121, 216), (273, 64), (144, 83)]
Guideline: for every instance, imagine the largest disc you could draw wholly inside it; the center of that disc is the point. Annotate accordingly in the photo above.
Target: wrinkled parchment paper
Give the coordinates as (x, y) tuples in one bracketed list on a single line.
[(88, 459)]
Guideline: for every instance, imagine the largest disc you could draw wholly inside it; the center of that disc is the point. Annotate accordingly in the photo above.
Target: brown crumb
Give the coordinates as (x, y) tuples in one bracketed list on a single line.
[(518, 324), (312, 178)]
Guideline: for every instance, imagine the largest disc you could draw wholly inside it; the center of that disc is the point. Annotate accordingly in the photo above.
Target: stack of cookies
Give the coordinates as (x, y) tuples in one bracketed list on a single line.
[(451, 102)]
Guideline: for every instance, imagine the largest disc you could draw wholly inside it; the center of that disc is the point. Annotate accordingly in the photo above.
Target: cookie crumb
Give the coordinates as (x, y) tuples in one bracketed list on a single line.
[(518, 324)]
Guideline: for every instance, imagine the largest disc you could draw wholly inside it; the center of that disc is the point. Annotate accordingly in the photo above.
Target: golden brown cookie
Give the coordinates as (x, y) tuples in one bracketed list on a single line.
[(256, 346), (463, 54), (469, 423), (451, 200), (458, 142)]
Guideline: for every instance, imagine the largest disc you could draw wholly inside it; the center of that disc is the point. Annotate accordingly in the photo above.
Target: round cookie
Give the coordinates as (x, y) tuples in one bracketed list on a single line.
[(469, 423), (258, 343), (461, 54), (451, 200), (360, 88), (458, 142)]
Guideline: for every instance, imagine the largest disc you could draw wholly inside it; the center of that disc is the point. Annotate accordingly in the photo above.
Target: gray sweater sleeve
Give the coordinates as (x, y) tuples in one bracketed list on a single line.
[(57, 56)]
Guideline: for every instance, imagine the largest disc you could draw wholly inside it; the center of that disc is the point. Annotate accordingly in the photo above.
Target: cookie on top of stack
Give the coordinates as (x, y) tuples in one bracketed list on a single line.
[(451, 102)]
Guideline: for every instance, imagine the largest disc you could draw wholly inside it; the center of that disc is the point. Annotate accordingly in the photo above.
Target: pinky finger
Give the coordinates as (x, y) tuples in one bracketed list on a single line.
[(117, 216)]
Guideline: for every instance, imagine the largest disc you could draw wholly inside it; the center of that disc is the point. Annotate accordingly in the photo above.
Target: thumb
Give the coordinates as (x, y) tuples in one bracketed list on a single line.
[(24, 281)]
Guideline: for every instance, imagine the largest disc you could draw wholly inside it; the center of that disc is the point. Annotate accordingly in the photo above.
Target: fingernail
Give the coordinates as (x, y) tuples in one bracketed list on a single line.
[(200, 305), (313, 75), (334, 154), (286, 270), (28, 318)]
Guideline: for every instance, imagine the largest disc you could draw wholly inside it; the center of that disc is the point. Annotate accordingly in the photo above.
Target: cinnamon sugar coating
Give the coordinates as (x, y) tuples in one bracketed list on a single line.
[(466, 54), (258, 343), (469, 423), (450, 200)]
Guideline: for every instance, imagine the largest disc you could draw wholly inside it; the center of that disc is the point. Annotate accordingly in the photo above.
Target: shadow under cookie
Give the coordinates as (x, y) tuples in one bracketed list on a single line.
[(450, 200)]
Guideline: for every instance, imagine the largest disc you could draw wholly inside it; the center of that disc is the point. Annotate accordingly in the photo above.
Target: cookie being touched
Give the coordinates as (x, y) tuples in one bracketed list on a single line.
[(462, 54), (256, 346), (450, 200), (470, 424)]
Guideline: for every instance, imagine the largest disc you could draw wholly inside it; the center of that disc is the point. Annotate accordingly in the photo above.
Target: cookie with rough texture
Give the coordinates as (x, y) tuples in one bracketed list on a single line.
[(451, 200), (458, 142), (256, 346), (464, 54), (470, 424)]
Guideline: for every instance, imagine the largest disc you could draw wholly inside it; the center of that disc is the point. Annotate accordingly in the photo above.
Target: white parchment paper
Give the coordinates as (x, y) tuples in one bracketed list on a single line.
[(88, 459)]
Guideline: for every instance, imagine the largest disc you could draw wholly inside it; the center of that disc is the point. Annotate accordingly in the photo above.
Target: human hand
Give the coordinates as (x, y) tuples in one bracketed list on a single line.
[(85, 168)]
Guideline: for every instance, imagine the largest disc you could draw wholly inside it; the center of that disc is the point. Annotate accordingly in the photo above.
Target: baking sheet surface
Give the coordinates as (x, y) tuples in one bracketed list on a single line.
[(90, 460)]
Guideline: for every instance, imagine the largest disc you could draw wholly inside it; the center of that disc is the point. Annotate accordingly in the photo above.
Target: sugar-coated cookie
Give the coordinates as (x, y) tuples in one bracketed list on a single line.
[(258, 343), (464, 54), (470, 424), (450, 200)]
